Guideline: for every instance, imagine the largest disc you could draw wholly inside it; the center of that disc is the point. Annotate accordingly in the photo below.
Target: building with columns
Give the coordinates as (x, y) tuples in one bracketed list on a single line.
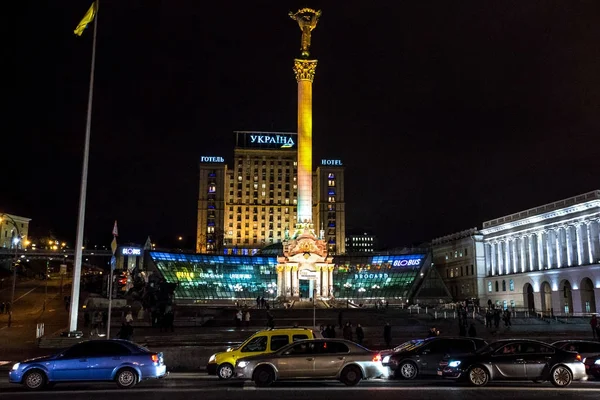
[(546, 258)]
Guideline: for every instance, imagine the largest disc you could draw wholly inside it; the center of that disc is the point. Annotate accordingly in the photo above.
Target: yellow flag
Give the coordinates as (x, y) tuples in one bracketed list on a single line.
[(87, 18)]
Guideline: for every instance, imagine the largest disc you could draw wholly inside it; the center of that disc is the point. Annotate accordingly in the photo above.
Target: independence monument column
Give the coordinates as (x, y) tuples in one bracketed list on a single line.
[(304, 69)]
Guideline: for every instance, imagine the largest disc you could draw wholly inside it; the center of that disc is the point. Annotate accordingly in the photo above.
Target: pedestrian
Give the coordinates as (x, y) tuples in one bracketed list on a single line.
[(262, 302), (360, 335), (238, 318), (247, 318), (472, 330), (347, 332), (168, 319), (270, 320), (387, 334), (258, 302), (594, 325), (98, 319), (497, 318), (126, 331), (129, 317), (340, 319), (461, 329), (330, 331)]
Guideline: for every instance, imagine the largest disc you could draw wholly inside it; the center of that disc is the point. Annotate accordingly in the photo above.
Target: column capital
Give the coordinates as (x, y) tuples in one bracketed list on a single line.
[(280, 268), (294, 268), (305, 69)]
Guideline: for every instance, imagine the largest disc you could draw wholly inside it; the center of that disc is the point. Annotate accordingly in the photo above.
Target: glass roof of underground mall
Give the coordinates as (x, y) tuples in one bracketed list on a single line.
[(213, 277)]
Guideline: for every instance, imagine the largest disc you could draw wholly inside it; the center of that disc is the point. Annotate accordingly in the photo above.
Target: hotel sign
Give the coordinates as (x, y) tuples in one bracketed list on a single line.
[(332, 163), (212, 159), (266, 140)]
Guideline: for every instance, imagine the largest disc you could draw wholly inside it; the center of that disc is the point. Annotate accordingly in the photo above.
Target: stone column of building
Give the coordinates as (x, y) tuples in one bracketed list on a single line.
[(588, 229), (507, 268), (569, 244), (558, 247), (287, 289), (522, 252), (330, 281), (318, 282), (295, 281), (280, 283), (305, 73), (493, 258), (530, 251), (540, 249), (325, 284), (515, 256), (579, 244), (548, 250)]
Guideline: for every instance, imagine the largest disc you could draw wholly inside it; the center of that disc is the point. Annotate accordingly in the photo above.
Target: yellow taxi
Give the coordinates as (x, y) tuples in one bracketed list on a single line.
[(262, 342)]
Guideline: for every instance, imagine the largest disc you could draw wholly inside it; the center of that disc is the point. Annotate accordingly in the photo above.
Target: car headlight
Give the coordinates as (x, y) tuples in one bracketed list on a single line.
[(212, 358), (453, 364), (16, 366), (386, 359), (242, 364), (596, 363)]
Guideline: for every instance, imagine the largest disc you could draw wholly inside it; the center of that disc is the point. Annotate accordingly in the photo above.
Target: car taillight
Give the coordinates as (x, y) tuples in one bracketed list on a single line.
[(578, 357), (154, 357), (377, 358)]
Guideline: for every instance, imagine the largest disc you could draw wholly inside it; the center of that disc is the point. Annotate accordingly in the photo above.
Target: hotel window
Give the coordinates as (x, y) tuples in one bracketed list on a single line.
[(504, 286), (490, 287), (497, 285), (212, 188), (331, 199), (511, 285), (331, 176)]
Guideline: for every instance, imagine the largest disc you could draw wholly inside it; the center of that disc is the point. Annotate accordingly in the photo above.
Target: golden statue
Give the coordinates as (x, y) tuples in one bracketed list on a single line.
[(307, 19)]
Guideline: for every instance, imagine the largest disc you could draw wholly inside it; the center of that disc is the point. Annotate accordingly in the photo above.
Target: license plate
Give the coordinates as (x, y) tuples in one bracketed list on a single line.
[(439, 373)]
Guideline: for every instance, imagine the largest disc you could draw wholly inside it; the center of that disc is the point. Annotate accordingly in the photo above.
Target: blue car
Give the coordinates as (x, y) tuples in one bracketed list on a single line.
[(121, 361)]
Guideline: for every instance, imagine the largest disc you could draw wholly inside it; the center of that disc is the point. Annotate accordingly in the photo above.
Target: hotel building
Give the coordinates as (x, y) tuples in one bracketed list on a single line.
[(254, 204)]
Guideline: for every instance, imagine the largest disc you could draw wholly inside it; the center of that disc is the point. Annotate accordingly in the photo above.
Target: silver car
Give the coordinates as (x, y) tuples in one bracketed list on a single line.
[(313, 359)]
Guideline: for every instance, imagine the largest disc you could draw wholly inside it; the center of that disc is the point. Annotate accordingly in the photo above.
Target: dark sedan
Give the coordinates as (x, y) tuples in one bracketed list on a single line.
[(514, 359), (592, 366), (121, 361), (422, 356), (585, 348)]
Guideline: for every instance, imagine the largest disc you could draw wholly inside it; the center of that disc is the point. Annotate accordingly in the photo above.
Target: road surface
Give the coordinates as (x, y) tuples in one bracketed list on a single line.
[(192, 386)]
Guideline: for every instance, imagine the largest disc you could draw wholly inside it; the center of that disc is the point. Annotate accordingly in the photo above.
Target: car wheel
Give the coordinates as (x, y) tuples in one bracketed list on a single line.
[(126, 378), (264, 376), (35, 380), (225, 371), (351, 375), (478, 376), (561, 376), (407, 370)]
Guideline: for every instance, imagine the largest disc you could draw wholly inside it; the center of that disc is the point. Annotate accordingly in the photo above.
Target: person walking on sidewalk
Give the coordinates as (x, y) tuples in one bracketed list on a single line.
[(594, 325), (387, 334), (360, 334)]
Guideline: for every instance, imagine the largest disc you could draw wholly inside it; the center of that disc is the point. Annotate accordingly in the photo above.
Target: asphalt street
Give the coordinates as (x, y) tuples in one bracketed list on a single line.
[(185, 386)]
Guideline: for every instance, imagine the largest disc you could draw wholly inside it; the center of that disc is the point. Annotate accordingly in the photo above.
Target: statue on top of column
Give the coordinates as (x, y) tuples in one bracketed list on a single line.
[(307, 18)]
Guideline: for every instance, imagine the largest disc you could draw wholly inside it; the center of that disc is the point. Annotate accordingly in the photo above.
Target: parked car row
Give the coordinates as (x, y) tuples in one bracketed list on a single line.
[(301, 353)]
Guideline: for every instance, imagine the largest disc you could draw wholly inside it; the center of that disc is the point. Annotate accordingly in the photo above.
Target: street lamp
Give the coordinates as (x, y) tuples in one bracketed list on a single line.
[(15, 242)]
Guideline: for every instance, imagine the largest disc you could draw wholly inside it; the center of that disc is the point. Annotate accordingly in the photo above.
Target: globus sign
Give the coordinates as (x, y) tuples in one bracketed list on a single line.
[(415, 262), (131, 251)]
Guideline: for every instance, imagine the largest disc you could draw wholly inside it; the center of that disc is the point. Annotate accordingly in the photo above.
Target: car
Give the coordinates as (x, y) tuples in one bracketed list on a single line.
[(262, 342), (421, 356), (339, 359), (121, 361), (592, 365), (517, 359), (584, 347)]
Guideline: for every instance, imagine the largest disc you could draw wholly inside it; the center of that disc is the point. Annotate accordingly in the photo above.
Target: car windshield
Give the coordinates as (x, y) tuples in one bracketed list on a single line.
[(411, 344)]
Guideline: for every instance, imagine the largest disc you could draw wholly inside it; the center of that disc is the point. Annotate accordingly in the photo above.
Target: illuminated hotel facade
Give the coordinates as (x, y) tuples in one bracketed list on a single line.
[(254, 204)]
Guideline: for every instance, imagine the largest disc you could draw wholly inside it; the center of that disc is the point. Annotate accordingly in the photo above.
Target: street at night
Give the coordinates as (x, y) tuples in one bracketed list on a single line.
[(185, 386)]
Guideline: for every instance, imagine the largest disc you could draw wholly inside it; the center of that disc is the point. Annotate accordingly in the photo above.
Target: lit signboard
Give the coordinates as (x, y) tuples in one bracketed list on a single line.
[(131, 251), (211, 159), (307, 274), (332, 163), (266, 140), (407, 263), (370, 276)]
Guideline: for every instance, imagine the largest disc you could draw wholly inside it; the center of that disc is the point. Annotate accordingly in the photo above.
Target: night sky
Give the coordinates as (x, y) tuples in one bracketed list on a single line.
[(445, 113)]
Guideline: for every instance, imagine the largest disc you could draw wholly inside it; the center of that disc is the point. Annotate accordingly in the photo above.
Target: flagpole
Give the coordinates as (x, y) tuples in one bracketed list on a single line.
[(75, 287)]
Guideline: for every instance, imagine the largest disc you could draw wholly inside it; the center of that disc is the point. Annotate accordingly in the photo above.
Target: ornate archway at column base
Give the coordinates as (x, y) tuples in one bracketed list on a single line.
[(304, 257)]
